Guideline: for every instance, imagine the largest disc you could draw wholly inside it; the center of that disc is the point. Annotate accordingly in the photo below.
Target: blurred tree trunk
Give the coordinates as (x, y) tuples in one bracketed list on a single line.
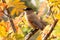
[(7, 13)]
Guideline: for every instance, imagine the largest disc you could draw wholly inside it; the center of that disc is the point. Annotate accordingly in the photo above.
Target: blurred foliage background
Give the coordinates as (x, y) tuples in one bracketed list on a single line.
[(16, 11)]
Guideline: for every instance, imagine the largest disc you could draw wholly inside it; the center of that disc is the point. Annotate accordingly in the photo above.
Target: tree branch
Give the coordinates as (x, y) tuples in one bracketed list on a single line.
[(29, 35), (10, 18), (51, 29)]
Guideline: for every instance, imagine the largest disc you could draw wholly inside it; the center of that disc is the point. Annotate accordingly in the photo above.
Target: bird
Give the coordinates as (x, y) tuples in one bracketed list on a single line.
[(32, 19)]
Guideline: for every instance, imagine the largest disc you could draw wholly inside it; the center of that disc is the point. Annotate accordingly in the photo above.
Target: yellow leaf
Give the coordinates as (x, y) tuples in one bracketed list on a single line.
[(39, 37), (55, 9), (18, 3), (57, 16), (17, 6), (13, 11), (16, 0), (49, 18), (21, 10), (3, 29), (17, 12), (21, 6)]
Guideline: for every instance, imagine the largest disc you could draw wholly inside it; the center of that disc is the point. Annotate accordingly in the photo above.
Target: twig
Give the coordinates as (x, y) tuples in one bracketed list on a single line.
[(52, 27), (29, 35)]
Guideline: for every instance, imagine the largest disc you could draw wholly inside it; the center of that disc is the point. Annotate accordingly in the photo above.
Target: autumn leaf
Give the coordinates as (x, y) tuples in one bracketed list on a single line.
[(1, 13), (3, 29), (57, 16), (3, 5), (13, 11), (39, 37), (17, 5)]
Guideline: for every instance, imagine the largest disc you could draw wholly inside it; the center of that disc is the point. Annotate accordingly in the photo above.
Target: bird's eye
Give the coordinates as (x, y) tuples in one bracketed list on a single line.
[(28, 9)]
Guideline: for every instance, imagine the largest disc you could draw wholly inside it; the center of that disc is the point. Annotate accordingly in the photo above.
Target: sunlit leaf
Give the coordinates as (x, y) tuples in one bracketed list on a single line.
[(57, 16), (17, 6), (13, 11), (39, 37)]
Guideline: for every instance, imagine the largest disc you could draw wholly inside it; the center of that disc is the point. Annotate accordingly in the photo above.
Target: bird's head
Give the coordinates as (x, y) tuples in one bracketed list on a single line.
[(29, 10)]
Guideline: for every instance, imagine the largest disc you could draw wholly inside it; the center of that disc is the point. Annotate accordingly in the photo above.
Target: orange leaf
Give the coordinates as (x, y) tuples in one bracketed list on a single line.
[(1, 13), (39, 37)]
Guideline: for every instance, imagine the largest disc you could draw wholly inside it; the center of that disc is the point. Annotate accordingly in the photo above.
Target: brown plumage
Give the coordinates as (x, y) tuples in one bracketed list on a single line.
[(33, 19)]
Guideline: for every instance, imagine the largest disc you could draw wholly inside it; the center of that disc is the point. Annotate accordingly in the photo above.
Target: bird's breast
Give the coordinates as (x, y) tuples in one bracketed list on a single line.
[(26, 17), (29, 20)]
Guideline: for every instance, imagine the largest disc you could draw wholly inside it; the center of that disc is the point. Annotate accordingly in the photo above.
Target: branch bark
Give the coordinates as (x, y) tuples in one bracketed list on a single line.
[(29, 35)]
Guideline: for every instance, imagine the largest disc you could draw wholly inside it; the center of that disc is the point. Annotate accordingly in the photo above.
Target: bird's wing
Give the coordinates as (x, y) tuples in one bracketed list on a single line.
[(35, 22)]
